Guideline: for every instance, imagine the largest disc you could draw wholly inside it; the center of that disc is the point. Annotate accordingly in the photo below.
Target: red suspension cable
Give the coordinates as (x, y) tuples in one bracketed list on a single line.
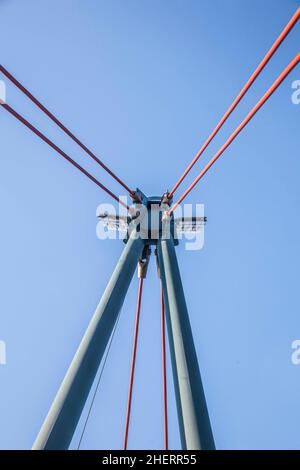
[(233, 136), (164, 371), (133, 361), (64, 128), (58, 150), (249, 83)]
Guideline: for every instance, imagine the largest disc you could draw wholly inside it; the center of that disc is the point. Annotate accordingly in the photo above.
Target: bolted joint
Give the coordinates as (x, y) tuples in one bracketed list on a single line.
[(138, 197), (167, 199)]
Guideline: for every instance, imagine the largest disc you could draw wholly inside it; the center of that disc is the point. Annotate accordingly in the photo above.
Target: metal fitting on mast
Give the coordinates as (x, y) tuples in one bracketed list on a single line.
[(143, 262)]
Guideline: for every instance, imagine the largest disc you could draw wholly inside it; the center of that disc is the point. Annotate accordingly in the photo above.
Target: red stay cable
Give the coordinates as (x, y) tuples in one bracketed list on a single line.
[(64, 128), (249, 83), (58, 150), (164, 371), (133, 361), (248, 118)]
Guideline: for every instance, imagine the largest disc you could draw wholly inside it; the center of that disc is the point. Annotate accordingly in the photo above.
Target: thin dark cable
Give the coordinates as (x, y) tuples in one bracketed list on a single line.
[(64, 128), (243, 124), (98, 382), (61, 152), (242, 93)]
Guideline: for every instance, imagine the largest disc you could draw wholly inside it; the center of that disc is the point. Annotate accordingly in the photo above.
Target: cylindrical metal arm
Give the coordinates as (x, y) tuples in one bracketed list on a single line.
[(61, 421), (194, 423)]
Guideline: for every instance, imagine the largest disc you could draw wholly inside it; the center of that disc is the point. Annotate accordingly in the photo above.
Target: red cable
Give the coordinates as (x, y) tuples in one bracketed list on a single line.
[(251, 80), (58, 150), (248, 118), (133, 361), (65, 129), (164, 371)]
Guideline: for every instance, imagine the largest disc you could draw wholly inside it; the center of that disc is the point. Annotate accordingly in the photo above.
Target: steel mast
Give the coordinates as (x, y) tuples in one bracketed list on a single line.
[(193, 417), (60, 424), (152, 226)]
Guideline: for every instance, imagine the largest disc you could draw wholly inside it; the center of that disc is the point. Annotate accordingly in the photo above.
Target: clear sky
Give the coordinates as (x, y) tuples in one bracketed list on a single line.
[(143, 83)]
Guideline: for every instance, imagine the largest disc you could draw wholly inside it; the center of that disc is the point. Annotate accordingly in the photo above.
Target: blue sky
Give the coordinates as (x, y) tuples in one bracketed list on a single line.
[(142, 84)]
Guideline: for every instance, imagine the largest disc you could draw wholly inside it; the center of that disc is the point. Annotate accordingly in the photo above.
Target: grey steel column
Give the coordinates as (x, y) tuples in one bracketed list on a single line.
[(194, 423), (61, 421)]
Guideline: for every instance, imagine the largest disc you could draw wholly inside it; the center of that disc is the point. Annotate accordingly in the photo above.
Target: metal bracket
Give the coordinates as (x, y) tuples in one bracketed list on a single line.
[(166, 199), (143, 262), (138, 197)]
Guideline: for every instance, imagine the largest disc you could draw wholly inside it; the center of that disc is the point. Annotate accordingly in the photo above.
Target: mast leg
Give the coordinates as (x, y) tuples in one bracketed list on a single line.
[(194, 423), (59, 426)]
